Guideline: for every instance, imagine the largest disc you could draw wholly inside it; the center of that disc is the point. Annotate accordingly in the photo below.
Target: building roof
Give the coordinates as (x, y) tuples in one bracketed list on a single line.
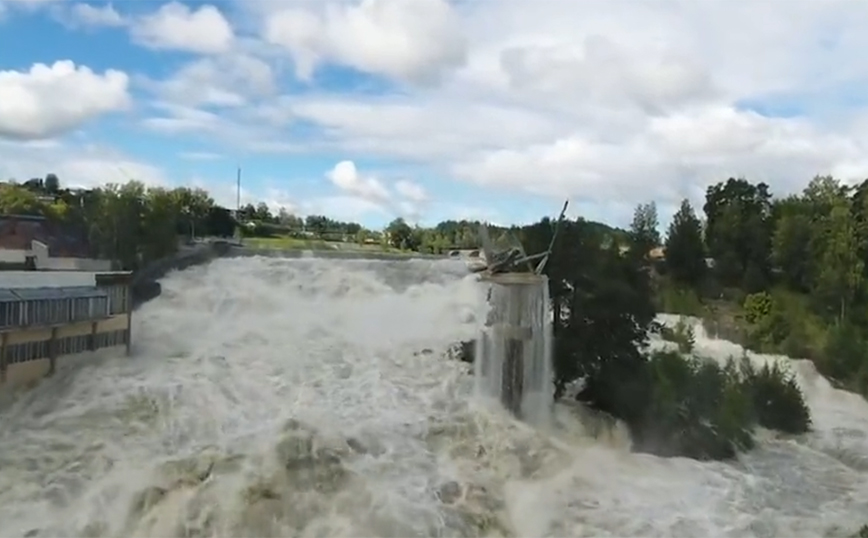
[(47, 293), (17, 232)]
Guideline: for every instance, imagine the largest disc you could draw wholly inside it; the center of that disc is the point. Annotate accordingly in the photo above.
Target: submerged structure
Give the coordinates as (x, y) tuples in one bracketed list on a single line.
[(514, 351), (39, 325)]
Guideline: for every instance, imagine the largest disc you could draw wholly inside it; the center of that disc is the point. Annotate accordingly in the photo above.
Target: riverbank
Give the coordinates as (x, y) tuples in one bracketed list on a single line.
[(778, 322)]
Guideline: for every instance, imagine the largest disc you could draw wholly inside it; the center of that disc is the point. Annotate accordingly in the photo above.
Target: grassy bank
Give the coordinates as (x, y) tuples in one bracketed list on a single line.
[(777, 321), (296, 243)]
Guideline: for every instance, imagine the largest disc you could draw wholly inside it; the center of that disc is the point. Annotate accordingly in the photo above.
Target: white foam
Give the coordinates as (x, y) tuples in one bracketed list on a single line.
[(190, 436)]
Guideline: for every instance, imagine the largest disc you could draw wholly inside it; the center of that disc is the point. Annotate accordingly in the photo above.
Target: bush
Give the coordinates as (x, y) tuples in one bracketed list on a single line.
[(844, 354), (682, 335), (757, 307), (696, 408), (675, 299), (777, 400)]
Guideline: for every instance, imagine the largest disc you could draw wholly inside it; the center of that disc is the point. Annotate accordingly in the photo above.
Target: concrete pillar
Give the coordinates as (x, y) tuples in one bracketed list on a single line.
[(508, 344), (91, 344), (3, 358), (53, 345), (120, 289)]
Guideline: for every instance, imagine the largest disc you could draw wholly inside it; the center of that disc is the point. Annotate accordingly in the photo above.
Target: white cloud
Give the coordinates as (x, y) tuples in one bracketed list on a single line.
[(201, 156), (182, 119), (75, 165), (89, 16), (412, 191), (609, 102), (346, 178), (368, 194), (176, 27), (410, 40), (49, 100), (600, 101), (229, 80)]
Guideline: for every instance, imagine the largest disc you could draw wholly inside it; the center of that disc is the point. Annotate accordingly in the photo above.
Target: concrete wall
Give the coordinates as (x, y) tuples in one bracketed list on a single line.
[(145, 285), (44, 261), (13, 256), (236, 252), (51, 279), (25, 373)]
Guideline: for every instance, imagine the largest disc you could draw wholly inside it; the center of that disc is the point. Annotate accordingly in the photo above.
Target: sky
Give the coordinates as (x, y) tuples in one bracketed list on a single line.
[(497, 110)]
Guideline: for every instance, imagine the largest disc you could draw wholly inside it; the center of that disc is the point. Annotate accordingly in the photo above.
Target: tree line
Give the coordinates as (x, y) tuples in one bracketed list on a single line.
[(786, 275), (130, 223)]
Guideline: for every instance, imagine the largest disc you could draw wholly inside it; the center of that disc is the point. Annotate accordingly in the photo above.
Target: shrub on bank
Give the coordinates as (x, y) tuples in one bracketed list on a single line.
[(694, 407), (682, 334)]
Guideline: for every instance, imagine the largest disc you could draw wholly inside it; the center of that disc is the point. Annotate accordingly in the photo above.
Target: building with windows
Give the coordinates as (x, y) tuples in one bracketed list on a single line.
[(40, 325), (33, 243)]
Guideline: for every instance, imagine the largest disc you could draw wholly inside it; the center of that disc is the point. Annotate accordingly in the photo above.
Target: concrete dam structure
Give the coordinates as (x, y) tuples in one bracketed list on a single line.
[(514, 349), (40, 323)]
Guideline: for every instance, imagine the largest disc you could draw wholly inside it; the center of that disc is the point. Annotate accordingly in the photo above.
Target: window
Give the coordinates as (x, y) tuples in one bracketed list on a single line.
[(81, 309)]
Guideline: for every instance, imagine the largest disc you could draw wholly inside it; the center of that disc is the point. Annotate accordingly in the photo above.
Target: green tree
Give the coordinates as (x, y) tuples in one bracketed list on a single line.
[(791, 243), (738, 232), (685, 252), (842, 271), (15, 200), (644, 232), (400, 234), (52, 184)]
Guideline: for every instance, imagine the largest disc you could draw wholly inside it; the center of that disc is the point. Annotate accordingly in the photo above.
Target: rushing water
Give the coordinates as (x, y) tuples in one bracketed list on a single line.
[(519, 315), (272, 397)]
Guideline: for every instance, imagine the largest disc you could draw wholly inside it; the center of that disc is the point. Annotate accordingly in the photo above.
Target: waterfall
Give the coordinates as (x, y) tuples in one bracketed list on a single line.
[(514, 349)]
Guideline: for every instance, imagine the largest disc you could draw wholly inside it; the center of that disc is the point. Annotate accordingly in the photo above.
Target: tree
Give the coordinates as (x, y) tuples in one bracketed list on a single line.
[(791, 243), (842, 271), (685, 253), (400, 234), (738, 232), (263, 213), (52, 184), (15, 200), (644, 233)]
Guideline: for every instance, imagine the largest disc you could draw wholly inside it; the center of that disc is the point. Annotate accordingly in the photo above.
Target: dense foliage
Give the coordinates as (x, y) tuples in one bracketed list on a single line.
[(127, 223), (788, 275), (673, 402)]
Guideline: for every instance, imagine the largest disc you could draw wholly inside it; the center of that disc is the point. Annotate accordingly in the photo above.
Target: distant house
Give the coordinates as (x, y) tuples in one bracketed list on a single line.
[(31, 242), (658, 254)]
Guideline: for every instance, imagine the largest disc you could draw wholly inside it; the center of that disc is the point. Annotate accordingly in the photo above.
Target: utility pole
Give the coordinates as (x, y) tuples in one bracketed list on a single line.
[(238, 192)]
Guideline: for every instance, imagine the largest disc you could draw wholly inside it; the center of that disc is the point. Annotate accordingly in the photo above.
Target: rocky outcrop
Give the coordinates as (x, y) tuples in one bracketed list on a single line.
[(464, 351)]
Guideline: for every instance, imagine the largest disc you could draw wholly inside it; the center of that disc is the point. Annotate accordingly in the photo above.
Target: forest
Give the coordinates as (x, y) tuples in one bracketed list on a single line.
[(776, 274)]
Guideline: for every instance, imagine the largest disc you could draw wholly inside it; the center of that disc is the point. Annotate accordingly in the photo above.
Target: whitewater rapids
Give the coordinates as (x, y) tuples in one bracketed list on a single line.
[(312, 398)]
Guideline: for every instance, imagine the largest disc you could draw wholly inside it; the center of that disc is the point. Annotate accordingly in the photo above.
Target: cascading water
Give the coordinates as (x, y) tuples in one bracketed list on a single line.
[(515, 346), (272, 397)]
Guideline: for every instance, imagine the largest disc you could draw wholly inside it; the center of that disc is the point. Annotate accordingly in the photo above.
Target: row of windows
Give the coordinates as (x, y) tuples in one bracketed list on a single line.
[(112, 338), (31, 351), (52, 311), (118, 299), (28, 351)]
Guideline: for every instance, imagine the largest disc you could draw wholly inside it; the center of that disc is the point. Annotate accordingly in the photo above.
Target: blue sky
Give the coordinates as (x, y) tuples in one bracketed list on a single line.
[(372, 109)]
